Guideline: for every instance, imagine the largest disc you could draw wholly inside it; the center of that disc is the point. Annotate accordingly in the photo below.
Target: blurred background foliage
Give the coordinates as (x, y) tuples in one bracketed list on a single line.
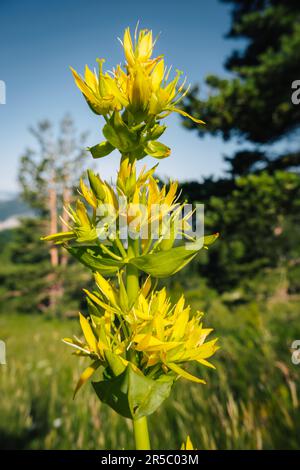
[(247, 283)]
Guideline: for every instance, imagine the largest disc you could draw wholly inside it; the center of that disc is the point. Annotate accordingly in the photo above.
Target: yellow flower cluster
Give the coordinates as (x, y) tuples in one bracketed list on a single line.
[(155, 336), (142, 88), (149, 209)]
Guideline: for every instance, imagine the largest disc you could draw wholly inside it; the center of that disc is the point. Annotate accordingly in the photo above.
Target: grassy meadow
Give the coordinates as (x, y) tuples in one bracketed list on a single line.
[(251, 400)]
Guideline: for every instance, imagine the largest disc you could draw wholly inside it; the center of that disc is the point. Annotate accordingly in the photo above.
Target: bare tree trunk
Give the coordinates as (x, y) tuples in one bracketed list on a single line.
[(53, 222), (55, 290), (66, 201)]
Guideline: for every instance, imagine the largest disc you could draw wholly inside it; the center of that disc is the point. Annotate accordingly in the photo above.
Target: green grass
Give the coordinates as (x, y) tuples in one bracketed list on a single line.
[(249, 402)]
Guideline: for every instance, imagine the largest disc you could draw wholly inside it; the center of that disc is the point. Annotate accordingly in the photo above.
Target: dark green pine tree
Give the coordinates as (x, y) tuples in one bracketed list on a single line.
[(26, 271), (256, 208), (255, 104)]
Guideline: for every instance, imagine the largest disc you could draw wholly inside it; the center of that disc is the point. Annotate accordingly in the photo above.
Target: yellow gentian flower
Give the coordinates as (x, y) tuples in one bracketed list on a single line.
[(162, 337), (147, 79), (101, 92), (139, 51)]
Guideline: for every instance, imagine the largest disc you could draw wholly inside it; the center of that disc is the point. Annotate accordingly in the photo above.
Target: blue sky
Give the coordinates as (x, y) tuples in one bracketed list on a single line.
[(39, 40)]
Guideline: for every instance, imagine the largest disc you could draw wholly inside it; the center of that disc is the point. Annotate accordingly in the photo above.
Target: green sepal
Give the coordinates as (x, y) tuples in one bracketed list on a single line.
[(165, 263), (91, 256), (133, 395), (157, 149), (86, 234), (157, 131), (101, 150), (96, 185)]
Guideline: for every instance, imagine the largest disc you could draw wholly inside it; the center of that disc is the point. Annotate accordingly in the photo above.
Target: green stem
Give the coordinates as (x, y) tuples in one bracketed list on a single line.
[(109, 252), (120, 247), (132, 283), (140, 426), (148, 246), (141, 434)]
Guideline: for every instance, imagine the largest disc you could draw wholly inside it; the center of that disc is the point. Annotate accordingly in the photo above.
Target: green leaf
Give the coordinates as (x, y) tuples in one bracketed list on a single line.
[(91, 256), (101, 150), (168, 262), (157, 149), (133, 395)]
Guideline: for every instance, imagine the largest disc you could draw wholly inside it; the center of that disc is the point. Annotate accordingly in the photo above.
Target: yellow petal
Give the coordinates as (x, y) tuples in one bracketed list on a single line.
[(204, 362), (88, 195), (90, 79), (171, 193), (128, 47), (206, 350), (146, 287), (183, 113), (188, 445), (76, 344), (99, 302), (183, 373), (145, 45), (84, 88), (86, 374), (147, 342), (106, 288), (140, 88), (81, 213), (180, 325), (88, 333), (59, 237), (157, 75)]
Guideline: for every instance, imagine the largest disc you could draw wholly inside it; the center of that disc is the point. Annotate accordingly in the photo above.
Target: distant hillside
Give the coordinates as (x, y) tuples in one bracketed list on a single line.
[(7, 195), (11, 208)]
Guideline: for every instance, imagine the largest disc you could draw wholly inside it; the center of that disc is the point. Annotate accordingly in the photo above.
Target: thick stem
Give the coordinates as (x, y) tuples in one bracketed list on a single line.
[(140, 426), (132, 283), (141, 435)]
